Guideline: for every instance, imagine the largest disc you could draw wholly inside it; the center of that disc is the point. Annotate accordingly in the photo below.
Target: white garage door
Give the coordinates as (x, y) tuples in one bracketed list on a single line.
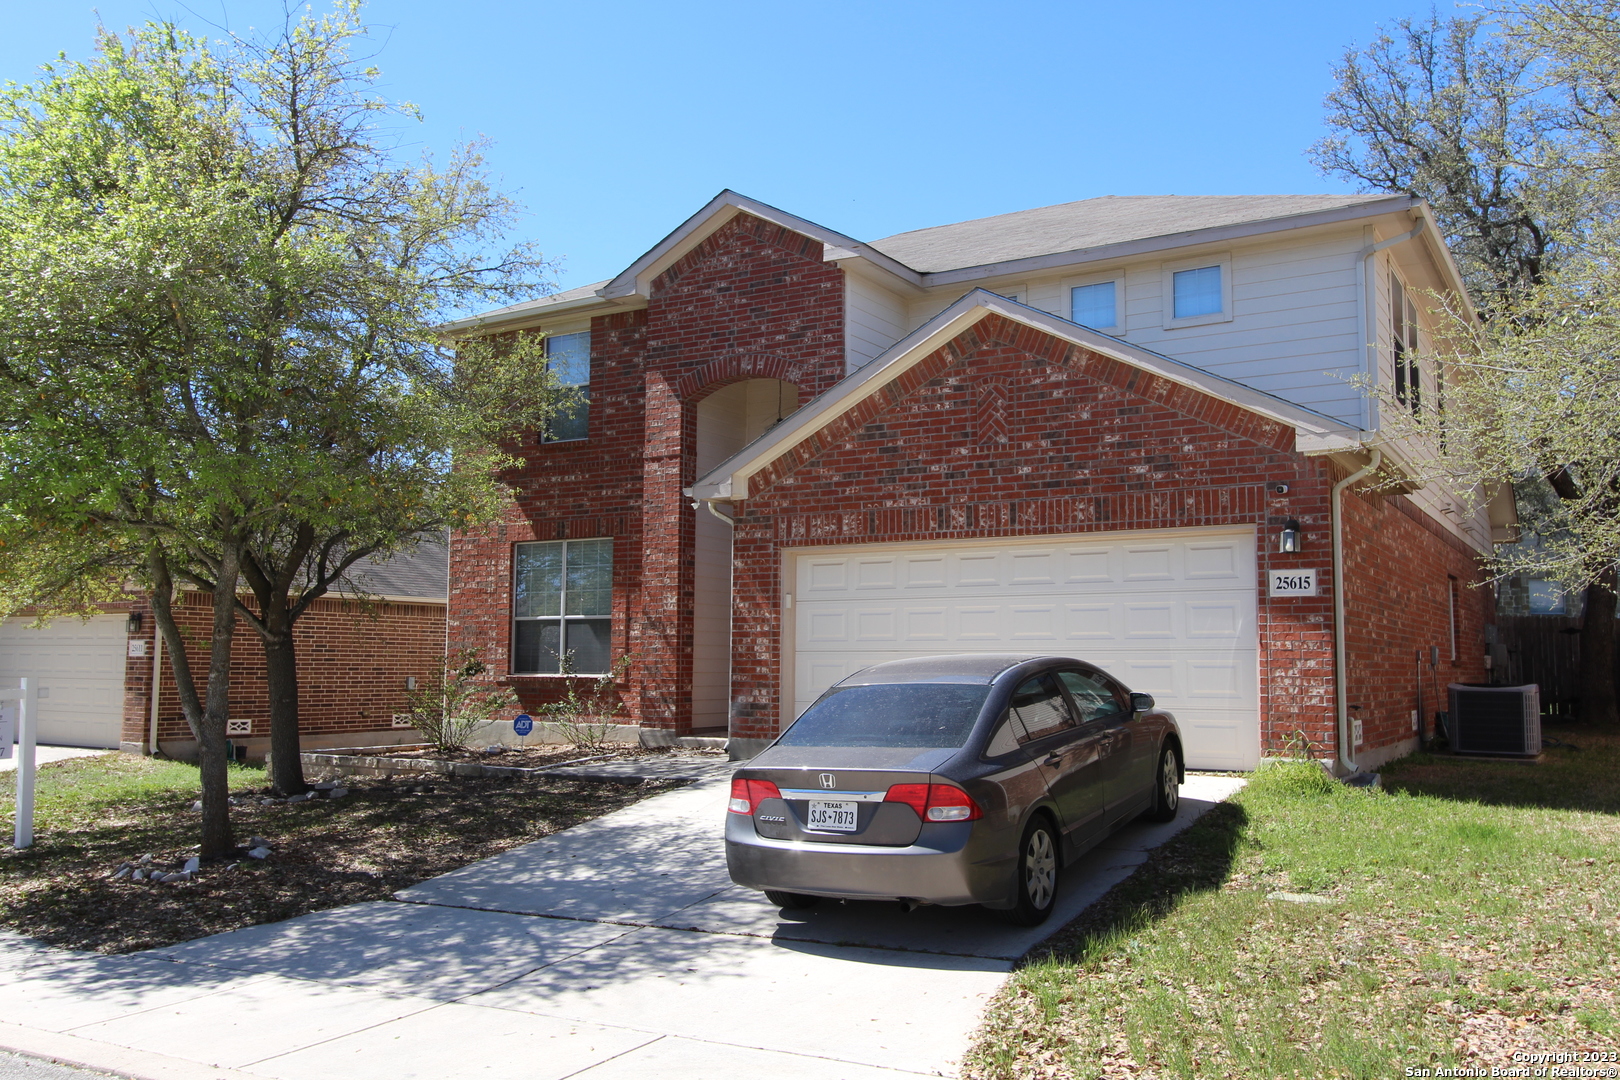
[(80, 671), (1169, 613)]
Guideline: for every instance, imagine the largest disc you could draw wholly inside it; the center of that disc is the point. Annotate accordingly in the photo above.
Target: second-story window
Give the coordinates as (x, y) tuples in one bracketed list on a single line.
[(569, 357), (1403, 336), (1197, 292), (1094, 305)]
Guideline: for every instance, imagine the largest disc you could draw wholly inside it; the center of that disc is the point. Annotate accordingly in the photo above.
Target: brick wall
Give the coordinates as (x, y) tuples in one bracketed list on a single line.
[(752, 300), (353, 660), (1009, 432), (1403, 573)]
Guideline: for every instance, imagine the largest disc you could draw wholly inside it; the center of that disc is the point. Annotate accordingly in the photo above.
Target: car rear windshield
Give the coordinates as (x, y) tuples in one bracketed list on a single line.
[(922, 715)]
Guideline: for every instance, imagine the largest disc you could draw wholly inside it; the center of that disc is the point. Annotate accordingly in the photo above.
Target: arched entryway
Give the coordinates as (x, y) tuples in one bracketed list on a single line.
[(727, 420)]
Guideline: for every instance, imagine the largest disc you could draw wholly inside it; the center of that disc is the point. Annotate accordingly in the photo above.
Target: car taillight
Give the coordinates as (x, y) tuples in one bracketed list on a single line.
[(936, 802), (746, 795)]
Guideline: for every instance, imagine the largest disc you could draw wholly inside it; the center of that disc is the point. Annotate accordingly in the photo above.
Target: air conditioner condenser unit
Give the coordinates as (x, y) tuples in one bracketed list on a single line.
[(1498, 720)]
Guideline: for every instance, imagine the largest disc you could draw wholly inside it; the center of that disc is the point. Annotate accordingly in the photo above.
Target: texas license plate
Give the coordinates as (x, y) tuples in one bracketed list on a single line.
[(832, 816)]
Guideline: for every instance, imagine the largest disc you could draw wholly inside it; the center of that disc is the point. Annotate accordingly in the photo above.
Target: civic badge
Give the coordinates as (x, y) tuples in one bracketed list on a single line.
[(828, 780)]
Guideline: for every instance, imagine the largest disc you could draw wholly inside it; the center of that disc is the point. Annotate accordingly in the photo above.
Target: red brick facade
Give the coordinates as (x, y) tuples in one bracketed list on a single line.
[(1005, 431), (353, 660)]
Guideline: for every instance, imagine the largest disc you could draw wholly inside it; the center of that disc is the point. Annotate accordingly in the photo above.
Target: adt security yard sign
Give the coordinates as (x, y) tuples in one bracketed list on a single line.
[(523, 724), (1292, 582)]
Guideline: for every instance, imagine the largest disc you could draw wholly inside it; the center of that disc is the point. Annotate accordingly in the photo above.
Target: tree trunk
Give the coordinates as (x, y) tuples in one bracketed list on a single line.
[(281, 669), (206, 716), (1597, 651)]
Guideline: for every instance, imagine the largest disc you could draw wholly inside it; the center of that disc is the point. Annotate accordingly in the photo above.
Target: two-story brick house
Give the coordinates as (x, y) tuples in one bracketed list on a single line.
[(1083, 429)]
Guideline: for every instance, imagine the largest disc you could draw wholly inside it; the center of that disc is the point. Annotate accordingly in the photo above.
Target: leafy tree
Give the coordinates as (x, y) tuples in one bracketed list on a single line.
[(1510, 135), (1445, 111), (219, 288)]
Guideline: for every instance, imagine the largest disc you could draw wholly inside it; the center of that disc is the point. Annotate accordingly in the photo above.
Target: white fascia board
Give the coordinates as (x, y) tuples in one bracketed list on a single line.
[(729, 479), (522, 315), (1221, 234), (636, 278)]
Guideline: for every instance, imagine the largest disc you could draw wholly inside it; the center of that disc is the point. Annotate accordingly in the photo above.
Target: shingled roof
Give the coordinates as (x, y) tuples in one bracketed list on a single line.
[(1092, 223), (422, 573)]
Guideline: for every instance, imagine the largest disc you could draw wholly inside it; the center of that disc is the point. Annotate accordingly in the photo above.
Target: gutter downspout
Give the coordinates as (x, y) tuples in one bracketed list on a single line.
[(709, 503), (1345, 750), (1367, 294)]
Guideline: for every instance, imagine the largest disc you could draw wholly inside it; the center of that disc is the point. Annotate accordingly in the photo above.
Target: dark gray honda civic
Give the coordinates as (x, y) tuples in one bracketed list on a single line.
[(952, 780)]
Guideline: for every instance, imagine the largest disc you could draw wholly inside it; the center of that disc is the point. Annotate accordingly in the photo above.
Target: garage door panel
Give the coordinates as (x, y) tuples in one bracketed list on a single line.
[(1173, 617), (78, 667)]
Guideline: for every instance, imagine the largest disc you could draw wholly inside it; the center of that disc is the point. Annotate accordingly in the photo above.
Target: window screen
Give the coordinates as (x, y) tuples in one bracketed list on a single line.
[(1039, 705), (562, 603), (1093, 305), (569, 357), (1197, 292)]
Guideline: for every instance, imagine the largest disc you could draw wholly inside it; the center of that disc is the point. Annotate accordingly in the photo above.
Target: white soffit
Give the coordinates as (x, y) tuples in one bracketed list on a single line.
[(1313, 431)]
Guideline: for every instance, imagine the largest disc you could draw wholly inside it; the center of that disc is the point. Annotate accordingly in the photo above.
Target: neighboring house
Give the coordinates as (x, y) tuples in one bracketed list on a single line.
[(356, 649), (1082, 430)]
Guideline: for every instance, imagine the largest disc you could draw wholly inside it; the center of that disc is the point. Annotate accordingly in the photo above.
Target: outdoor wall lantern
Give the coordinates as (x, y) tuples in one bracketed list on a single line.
[(132, 624), (1290, 541)]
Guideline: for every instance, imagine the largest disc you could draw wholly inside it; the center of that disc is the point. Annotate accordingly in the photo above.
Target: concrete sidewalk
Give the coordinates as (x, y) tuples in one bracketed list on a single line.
[(45, 754), (616, 949)]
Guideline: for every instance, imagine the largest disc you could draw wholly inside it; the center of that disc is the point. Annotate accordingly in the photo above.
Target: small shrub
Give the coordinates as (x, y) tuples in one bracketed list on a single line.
[(457, 702), (587, 719)]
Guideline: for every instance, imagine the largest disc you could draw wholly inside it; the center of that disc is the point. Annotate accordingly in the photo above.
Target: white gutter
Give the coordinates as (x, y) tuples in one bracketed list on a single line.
[(709, 504), (1346, 750)]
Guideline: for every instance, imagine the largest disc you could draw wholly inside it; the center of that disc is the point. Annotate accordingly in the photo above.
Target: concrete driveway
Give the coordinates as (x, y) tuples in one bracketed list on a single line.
[(616, 949)]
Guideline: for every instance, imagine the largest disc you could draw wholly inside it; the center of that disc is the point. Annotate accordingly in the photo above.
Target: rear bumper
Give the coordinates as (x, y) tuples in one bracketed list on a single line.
[(940, 867)]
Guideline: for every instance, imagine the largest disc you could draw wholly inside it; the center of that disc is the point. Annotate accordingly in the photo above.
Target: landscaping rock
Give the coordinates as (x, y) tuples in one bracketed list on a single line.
[(305, 797), (157, 876), (139, 875), (1300, 898), (337, 793), (233, 866), (257, 841), (193, 864), (145, 860), (123, 872), (197, 805), (259, 853)]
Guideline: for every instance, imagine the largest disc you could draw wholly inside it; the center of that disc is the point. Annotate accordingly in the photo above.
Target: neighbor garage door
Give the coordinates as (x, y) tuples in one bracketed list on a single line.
[(1169, 613), (80, 671)]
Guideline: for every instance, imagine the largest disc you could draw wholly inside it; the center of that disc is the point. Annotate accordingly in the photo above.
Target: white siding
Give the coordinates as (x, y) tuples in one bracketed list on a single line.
[(1295, 330), (874, 319)]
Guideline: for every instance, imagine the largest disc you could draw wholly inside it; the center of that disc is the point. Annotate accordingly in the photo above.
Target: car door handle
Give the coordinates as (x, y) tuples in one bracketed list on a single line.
[(1053, 758)]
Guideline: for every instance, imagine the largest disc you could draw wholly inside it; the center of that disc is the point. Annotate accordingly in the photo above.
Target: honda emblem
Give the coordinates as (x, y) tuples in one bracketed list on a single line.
[(828, 780)]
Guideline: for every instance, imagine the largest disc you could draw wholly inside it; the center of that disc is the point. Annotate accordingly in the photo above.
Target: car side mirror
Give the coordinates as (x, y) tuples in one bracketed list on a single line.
[(1141, 702)]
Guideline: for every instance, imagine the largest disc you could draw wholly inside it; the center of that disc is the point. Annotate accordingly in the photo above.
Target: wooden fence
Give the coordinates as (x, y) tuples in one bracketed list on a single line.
[(1545, 649)]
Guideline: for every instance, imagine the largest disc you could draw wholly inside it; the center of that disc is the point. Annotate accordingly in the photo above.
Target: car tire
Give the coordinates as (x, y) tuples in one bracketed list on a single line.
[(1166, 787), (791, 901), (1039, 862)]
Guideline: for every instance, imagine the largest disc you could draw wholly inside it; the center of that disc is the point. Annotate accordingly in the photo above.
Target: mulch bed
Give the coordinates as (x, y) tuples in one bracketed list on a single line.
[(542, 755), (385, 835)]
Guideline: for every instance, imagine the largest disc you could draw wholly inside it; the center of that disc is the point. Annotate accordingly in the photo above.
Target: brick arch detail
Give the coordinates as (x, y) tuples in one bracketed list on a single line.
[(703, 381)]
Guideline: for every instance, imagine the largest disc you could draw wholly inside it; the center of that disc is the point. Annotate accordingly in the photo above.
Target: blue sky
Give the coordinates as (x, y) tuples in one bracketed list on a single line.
[(614, 122)]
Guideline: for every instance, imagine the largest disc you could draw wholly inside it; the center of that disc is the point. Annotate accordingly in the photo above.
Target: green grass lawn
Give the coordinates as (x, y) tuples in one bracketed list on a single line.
[(92, 814), (1468, 911)]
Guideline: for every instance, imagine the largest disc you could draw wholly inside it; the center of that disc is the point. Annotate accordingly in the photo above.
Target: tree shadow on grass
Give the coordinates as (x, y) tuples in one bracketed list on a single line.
[(1582, 775), (1194, 861)]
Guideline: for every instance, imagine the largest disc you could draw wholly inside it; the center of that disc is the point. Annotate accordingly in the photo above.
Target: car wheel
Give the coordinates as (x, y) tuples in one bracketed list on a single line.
[(791, 901), (1167, 787), (1038, 867)]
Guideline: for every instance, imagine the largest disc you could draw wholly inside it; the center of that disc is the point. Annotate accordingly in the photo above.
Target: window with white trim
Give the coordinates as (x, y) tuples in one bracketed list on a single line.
[(569, 358), (1403, 336), (1095, 305), (1197, 291), (562, 606)]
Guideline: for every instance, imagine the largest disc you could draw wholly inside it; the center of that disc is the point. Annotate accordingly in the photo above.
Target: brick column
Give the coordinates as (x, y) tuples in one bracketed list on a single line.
[(661, 636)]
